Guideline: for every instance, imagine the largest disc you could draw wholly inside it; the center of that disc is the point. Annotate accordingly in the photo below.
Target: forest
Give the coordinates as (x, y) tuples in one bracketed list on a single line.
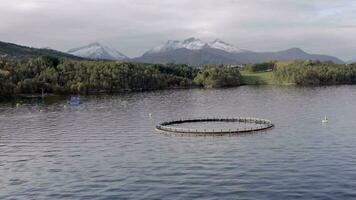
[(258, 67), (213, 76), (314, 73), (48, 74)]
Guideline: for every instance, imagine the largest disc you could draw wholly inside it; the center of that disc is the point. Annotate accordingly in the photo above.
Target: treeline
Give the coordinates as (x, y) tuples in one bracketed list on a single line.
[(51, 75), (218, 76), (260, 67), (314, 73)]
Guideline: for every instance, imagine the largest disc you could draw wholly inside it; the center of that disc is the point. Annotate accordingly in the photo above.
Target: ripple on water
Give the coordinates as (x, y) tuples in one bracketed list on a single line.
[(108, 149)]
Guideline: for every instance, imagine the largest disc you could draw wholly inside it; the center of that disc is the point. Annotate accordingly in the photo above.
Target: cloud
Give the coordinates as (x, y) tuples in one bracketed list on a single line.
[(133, 26)]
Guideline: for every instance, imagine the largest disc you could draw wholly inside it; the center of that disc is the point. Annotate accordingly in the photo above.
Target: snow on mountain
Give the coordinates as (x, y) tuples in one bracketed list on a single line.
[(219, 44), (97, 51), (190, 43), (195, 44), (170, 45)]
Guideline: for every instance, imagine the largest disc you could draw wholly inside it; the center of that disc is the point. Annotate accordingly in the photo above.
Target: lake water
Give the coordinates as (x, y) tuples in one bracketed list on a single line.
[(107, 148)]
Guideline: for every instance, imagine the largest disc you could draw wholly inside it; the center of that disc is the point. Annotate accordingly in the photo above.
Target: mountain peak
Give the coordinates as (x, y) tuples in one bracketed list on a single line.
[(191, 39), (296, 50), (96, 50), (217, 40), (193, 43), (219, 44), (95, 44)]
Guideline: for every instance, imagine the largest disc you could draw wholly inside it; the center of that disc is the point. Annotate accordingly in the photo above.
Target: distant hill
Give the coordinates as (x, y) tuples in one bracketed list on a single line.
[(17, 51), (351, 61), (97, 51), (193, 51), (284, 55)]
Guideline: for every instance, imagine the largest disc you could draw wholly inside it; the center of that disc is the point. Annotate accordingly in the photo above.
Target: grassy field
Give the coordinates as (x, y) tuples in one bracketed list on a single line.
[(257, 78)]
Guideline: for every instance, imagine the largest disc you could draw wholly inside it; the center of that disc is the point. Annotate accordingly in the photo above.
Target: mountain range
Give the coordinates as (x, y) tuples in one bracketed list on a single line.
[(195, 52), (191, 51), (195, 44)]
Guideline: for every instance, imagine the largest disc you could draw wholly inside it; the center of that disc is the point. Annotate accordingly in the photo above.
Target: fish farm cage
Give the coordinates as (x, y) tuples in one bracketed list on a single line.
[(183, 127)]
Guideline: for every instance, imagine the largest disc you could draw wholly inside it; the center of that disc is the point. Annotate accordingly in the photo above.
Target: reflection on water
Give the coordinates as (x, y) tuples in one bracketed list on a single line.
[(107, 148)]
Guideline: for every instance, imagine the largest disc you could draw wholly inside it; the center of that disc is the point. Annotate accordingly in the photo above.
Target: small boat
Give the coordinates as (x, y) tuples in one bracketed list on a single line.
[(74, 101), (325, 120)]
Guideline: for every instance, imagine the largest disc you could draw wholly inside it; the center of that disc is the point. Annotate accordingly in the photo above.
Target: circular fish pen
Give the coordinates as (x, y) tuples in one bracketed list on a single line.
[(214, 126)]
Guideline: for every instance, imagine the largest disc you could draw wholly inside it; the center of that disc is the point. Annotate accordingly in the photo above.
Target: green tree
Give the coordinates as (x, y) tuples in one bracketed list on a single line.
[(218, 76)]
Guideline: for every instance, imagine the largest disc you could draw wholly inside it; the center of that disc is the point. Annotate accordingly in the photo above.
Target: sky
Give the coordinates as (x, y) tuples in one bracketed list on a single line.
[(135, 26)]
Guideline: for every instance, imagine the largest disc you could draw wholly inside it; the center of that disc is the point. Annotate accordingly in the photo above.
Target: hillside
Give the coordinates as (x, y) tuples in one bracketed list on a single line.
[(22, 52)]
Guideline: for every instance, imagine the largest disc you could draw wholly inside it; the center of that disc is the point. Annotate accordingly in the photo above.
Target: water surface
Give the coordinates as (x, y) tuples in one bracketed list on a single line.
[(107, 148)]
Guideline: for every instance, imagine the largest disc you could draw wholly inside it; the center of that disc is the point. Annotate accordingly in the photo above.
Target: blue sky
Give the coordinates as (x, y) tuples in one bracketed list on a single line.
[(134, 26)]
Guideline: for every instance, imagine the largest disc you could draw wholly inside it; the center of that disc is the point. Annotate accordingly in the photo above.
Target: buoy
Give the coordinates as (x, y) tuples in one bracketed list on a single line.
[(325, 120), (17, 105), (65, 106), (150, 115), (74, 101)]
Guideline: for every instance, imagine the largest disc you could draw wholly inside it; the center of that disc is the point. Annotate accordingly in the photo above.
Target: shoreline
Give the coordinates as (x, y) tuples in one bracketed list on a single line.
[(49, 95)]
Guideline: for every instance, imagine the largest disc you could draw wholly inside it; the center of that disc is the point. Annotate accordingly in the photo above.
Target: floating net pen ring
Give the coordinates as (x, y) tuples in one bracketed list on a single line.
[(255, 125)]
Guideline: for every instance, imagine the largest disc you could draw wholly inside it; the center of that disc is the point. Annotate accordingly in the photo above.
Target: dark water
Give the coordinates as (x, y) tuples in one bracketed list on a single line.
[(108, 148)]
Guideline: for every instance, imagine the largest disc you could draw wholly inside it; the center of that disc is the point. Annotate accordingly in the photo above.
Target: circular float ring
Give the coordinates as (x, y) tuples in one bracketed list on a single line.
[(260, 125)]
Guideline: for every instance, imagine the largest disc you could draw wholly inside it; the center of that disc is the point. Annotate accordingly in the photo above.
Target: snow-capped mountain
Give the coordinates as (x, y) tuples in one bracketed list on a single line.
[(195, 52), (219, 44), (190, 43), (195, 44), (97, 51)]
